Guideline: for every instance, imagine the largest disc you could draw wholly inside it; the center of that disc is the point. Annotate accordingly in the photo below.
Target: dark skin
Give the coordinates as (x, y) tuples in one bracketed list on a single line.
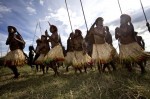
[(77, 41), (108, 36), (44, 48), (77, 45), (148, 26), (140, 41), (54, 39), (98, 32), (13, 40), (70, 43), (37, 51), (126, 35), (70, 46)]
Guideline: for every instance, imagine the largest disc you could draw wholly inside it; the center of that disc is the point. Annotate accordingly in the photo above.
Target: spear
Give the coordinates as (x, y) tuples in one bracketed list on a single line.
[(119, 6), (147, 24)]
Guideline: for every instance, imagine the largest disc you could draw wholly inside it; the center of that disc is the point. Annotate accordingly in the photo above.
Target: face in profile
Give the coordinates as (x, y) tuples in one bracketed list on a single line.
[(43, 38), (53, 29), (11, 30), (71, 35)]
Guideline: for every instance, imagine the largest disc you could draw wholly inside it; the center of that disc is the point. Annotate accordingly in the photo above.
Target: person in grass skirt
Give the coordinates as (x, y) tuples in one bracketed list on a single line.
[(16, 55), (37, 53), (55, 55), (44, 49), (129, 51), (70, 53), (108, 39), (102, 52), (80, 56)]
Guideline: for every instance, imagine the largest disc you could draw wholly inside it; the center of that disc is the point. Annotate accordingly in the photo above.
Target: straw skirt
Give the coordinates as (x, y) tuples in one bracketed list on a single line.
[(69, 58), (40, 59), (15, 57), (132, 52), (102, 53), (81, 59), (55, 53)]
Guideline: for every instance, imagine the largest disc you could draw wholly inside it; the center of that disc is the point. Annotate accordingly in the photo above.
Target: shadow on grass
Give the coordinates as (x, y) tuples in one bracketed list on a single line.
[(119, 84)]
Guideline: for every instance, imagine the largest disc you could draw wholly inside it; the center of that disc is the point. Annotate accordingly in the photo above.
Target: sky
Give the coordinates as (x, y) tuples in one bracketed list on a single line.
[(31, 17)]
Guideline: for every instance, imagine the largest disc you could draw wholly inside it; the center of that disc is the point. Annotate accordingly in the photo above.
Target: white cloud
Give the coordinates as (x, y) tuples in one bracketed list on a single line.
[(41, 2), (4, 9), (31, 10)]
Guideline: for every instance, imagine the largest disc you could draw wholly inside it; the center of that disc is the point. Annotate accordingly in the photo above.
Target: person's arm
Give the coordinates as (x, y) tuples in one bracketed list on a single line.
[(143, 44), (8, 40), (148, 26), (84, 47), (117, 32), (19, 39), (91, 29)]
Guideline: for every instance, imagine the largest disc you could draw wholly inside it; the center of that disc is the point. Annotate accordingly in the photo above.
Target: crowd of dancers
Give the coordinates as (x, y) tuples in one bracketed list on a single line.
[(96, 49)]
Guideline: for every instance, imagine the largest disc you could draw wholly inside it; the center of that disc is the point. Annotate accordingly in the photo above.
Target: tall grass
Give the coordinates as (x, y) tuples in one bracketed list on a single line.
[(115, 85)]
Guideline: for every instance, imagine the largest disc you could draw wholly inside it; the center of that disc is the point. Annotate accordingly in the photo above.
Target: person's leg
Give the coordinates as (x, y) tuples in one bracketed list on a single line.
[(15, 71), (142, 67), (113, 65)]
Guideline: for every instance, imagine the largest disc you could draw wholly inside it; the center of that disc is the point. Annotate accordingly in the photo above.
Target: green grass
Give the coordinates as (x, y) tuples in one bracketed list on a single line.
[(116, 85)]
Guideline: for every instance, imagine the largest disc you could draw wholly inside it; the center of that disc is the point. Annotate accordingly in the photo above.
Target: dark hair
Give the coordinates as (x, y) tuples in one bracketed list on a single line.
[(54, 27), (38, 41), (31, 47), (127, 17), (99, 18), (78, 31), (11, 27), (107, 28)]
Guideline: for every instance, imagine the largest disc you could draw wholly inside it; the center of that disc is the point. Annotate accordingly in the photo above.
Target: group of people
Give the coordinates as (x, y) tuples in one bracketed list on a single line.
[(96, 49)]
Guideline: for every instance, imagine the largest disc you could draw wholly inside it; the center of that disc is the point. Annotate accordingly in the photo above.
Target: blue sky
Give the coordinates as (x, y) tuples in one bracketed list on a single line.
[(26, 14)]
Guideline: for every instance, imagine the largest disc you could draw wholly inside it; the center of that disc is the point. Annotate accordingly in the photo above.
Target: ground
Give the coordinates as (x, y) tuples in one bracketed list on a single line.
[(119, 84)]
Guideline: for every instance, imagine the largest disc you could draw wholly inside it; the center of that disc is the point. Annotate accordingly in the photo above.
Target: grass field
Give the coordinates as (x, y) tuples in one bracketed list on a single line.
[(116, 85)]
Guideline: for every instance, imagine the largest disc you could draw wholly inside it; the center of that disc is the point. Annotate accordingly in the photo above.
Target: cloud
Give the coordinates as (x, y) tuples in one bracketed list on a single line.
[(4, 9), (41, 2), (31, 10)]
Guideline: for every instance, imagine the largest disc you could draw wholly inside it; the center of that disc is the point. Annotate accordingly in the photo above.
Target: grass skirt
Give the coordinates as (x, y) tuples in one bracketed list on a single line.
[(80, 60), (132, 53), (102, 53), (115, 55), (69, 58), (40, 59), (15, 57), (55, 54)]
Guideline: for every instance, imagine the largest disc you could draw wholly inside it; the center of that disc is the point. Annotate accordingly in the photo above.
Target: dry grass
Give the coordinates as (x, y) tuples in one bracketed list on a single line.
[(116, 85)]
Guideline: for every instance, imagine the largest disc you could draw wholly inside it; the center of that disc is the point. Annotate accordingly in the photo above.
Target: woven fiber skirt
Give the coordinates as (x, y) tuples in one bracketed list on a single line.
[(40, 59), (55, 53), (15, 57), (132, 52), (69, 58), (102, 53), (78, 59), (81, 59)]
